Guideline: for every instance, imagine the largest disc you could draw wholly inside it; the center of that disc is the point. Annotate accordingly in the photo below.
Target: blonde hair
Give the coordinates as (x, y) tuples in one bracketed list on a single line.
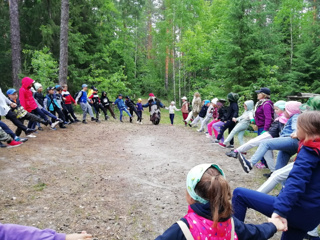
[(309, 123), (265, 95)]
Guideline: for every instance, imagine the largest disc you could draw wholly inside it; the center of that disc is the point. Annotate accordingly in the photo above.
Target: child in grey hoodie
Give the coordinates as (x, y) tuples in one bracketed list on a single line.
[(243, 123)]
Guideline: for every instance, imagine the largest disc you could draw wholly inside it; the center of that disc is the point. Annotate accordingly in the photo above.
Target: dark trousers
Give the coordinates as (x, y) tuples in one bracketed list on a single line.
[(171, 115), (32, 118), (7, 129), (70, 110), (37, 111), (133, 110), (139, 115), (227, 125), (60, 114), (300, 220), (108, 107), (97, 107), (13, 118)]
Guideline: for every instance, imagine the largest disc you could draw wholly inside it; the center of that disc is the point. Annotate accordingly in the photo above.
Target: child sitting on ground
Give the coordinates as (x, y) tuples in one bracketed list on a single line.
[(139, 110), (210, 211), (171, 109), (242, 125)]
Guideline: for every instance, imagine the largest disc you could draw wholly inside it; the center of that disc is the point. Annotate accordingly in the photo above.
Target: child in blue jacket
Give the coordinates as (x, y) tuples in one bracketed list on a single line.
[(122, 107), (298, 204)]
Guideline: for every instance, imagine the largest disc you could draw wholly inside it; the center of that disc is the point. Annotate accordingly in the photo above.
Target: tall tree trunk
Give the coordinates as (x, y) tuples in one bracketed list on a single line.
[(149, 42), (15, 42), (63, 65), (291, 40), (167, 68)]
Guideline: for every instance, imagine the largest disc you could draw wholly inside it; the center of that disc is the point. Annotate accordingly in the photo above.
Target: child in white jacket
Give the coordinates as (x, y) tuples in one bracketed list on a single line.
[(243, 123), (171, 109)]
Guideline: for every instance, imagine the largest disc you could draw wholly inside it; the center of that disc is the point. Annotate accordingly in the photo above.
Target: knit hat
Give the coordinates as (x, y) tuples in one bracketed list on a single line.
[(151, 95), (292, 107), (280, 104), (184, 98), (206, 102), (37, 86), (173, 103), (313, 104), (194, 176), (84, 85), (233, 97), (215, 100), (11, 91)]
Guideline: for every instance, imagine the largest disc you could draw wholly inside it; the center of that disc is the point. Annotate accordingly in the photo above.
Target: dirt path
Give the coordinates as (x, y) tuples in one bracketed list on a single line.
[(117, 181)]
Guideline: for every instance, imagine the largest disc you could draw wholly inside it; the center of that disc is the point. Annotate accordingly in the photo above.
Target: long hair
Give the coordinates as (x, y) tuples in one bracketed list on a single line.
[(309, 123), (215, 188)]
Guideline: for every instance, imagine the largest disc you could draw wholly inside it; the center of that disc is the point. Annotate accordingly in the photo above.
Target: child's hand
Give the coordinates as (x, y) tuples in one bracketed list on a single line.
[(294, 135), (13, 105), (234, 119), (77, 236), (280, 222)]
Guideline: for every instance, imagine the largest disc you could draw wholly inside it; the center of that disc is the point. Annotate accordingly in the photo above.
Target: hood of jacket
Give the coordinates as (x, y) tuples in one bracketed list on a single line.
[(103, 94), (233, 97), (249, 104), (204, 210), (26, 82)]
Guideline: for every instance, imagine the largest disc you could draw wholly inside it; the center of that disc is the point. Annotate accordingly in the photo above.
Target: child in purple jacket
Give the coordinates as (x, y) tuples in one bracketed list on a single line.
[(19, 232)]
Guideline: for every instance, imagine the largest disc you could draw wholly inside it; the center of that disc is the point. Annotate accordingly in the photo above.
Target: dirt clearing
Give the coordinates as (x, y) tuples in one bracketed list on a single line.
[(117, 181)]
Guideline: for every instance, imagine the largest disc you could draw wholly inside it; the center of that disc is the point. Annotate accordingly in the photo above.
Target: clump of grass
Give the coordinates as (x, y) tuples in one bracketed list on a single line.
[(39, 187)]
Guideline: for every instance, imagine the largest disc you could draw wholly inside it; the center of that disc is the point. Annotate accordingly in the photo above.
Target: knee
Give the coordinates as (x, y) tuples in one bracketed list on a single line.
[(238, 193)]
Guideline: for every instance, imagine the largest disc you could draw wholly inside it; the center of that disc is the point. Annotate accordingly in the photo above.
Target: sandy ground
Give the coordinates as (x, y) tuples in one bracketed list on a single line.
[(117, 181)]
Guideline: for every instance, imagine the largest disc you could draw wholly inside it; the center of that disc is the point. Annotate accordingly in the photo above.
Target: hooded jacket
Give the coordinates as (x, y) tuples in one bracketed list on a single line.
[(26, 95), (264, 114), (104, 99), (4, 102), (203, 111), (244, 231), (248, 114), (233, 109)]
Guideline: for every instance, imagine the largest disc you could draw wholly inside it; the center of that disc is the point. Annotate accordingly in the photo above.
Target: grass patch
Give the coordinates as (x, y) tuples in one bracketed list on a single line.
[(39, 187)]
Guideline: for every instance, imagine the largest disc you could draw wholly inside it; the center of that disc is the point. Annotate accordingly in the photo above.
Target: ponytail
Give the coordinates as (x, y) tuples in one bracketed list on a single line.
[(215, 188)]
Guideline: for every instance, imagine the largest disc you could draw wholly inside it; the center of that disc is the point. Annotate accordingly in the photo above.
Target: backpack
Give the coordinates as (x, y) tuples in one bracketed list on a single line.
[(76, 95)]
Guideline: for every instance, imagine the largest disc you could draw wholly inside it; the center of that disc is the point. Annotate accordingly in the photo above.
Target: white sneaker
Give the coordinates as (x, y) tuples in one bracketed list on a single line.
[(208, 136), (53, 125), (31, 136), (141, 123), (137, 122)]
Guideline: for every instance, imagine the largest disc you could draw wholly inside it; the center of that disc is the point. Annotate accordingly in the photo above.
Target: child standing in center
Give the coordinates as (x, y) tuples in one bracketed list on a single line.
[(171, 109), (139, 110)]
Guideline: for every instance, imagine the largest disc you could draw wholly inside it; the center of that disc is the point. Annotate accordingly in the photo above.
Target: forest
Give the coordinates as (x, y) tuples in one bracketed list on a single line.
[(169, 47)]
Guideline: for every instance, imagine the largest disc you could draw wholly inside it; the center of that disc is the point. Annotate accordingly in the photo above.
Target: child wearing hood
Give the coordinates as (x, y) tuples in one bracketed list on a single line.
[(292, 111), (243, 124), (171, 109), (106, 103), (210, 212), (273, 132), (232, 112)]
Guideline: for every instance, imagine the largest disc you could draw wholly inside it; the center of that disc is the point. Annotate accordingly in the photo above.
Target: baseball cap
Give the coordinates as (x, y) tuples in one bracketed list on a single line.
[(11, 91), (264, 90)]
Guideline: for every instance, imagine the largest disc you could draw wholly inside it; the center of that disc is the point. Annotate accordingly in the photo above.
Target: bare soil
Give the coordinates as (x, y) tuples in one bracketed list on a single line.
[(114, 180)]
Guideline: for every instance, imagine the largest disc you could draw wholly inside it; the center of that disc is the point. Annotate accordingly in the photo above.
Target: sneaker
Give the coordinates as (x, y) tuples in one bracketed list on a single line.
[(208, 136), (31, 136), (232, 154), (63, 126), (216, 141), (14, 143), (76, 120), (190, 125), (309, 237), (53, 125), (114, 117), (18, 139), (30, 130), (40, 128), (93, 119), (137, 122), (53, 129), (84, 121), (140, 123), (106, 117), (66, 123), (222, 145), (97, 120), (2, 145), (230, 146), (260, 165), (246, 165), (60, 120), (199, 130), (267, 175)]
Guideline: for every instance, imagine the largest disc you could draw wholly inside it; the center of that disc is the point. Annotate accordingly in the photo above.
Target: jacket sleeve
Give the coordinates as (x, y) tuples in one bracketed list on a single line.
[(300, 175), (177, 109), (235, 109), (22, 98), (254, 232), (79, 96), (145, 105), (45, 103), (173, 233), (267, 110), (72, 99), (18, 232)]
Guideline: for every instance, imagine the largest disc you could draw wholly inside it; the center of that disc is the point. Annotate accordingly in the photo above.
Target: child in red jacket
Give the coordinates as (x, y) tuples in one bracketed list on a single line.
[(68, 101)]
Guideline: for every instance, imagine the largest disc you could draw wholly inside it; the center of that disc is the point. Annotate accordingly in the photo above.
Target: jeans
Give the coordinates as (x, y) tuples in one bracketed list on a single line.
[(205, 123), (37, 111), (240, 128), (300, 220), (133, 110), (121, 113), (139, 116), (227, 125), (287, 146), (171, 115)]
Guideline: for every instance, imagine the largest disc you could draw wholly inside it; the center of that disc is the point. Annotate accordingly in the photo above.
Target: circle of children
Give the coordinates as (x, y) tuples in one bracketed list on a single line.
[(213, 212)]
